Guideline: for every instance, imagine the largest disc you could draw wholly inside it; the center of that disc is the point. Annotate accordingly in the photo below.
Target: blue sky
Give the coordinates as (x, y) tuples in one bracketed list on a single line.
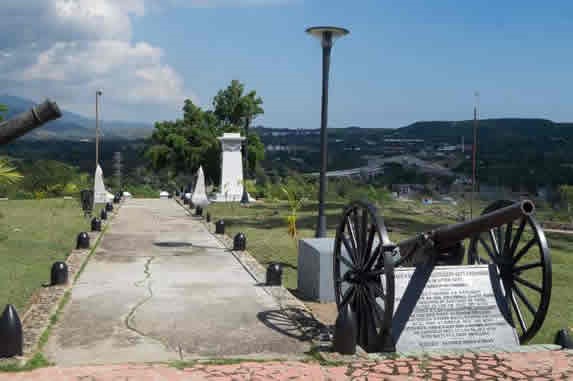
[(403, 61)]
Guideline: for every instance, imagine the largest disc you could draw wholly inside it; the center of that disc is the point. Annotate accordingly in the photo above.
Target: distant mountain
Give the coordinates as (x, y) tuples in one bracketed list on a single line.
[(503, 128), (73, 126)]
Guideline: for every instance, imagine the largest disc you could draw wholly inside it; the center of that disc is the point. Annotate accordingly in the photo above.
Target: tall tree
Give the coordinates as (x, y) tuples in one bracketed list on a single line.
[(183, 145), (236, 110), (233, 108)]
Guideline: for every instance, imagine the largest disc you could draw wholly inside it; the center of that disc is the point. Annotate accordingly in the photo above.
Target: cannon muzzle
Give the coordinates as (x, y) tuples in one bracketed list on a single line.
[(29, 120), (447, 236)]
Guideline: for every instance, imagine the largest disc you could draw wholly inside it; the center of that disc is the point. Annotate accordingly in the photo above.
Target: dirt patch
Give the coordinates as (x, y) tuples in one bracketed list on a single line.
[(325, 312)]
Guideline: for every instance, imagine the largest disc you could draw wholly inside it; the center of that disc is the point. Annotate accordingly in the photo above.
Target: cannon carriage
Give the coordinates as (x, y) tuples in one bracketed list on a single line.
[(506, 235)]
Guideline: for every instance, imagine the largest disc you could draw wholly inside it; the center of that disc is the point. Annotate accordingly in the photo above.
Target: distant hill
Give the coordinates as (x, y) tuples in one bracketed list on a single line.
[(73, 126), (494, 128)]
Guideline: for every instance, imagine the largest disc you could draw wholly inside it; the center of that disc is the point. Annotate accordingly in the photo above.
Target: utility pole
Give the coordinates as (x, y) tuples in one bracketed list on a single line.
[(474, 153), (98, 94), (117, 169)]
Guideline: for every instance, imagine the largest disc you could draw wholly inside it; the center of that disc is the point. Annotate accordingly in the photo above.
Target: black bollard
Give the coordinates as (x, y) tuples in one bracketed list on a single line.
[(59, 273), (11, 342), (240, 242), (564, 338), (274, 274), (344, 340), (198, 211), (220, 227), (109, 207), (116, 199), (96, 224), (208, 217), (103, 215), (83, 241)]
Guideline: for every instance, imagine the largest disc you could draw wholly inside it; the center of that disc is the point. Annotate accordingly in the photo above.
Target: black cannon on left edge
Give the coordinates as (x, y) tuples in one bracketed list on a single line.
[(25, 122), (506, 235)]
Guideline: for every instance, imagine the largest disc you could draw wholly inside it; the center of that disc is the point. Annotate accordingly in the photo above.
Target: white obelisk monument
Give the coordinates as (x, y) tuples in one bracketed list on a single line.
[(101, 195), (199, 197), (231, 188)]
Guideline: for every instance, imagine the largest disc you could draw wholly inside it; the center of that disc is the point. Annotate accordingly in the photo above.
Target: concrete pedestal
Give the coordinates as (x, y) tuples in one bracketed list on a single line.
[(231, 189), (315, 280)]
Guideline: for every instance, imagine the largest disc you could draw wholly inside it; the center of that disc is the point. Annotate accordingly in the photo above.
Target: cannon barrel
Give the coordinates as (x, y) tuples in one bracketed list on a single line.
[(29, 120), (447, 236)]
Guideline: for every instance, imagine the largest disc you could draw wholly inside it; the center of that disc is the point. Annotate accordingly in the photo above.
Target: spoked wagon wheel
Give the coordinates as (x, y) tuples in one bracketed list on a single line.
[(521, 253), (360, 258)]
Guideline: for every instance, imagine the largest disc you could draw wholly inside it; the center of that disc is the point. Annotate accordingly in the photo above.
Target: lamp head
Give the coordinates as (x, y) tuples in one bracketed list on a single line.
[(327, 34)]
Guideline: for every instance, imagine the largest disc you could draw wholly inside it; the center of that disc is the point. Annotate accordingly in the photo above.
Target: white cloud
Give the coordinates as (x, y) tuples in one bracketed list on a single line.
[(158, 4), (73, 47), (67, 49)]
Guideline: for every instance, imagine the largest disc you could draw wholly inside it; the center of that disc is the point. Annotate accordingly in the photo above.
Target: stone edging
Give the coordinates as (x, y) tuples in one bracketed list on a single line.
[(44, 302)]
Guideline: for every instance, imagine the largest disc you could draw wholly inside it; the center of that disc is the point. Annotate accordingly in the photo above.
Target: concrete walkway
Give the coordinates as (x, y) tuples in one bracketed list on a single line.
[(160, 287), (545, 365)]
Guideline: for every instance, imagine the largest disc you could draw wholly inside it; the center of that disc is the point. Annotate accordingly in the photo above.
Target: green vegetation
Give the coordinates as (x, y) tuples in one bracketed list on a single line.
[(34, 234), (181, 146), (37, 361), (268, 240), (40, 179)]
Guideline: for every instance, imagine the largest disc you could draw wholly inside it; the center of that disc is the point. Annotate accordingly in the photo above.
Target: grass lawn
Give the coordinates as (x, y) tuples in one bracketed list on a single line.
[(34, 234), (266, 229)]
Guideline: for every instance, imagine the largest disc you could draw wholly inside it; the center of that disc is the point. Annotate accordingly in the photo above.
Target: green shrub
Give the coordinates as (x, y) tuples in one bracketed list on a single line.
[(21, 195), (142, 191)]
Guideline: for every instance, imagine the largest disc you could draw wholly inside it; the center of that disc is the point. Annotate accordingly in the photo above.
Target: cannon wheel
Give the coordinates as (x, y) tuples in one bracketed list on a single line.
[(360, 258), (521, 253)]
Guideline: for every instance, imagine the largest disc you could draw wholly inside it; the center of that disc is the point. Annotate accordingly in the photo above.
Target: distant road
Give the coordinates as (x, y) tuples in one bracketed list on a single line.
[(558, 231), (405, 160)]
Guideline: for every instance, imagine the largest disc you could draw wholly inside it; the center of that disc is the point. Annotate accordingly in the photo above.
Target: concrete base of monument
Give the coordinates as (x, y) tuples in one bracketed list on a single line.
[(235, 197)]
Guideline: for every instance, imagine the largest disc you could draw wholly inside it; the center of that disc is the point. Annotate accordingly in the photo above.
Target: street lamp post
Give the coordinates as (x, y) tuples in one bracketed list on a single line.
[(98, 94), (327, 35), (245, 196), (474, 153)]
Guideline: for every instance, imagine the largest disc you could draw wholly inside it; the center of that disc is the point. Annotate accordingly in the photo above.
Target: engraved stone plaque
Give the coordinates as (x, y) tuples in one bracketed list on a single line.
[(450, 307)]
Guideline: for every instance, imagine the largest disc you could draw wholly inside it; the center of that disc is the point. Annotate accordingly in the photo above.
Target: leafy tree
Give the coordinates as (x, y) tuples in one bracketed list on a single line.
[(184, 145), (234, 109), (181, 146), (50, 177)]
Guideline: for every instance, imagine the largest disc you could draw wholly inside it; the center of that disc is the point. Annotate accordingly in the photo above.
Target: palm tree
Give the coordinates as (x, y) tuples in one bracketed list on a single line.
[(8, 174)]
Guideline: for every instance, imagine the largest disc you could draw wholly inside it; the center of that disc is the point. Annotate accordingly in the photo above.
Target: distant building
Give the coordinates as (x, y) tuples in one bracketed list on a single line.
[(407, 189)]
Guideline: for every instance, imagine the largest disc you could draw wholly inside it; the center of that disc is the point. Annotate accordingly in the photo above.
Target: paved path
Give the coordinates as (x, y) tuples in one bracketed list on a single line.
[(547, 365), (160, 287)]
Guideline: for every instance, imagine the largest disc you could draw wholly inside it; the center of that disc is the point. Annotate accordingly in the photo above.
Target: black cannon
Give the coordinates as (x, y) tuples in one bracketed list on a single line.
[(506, 235), (25, 122)]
